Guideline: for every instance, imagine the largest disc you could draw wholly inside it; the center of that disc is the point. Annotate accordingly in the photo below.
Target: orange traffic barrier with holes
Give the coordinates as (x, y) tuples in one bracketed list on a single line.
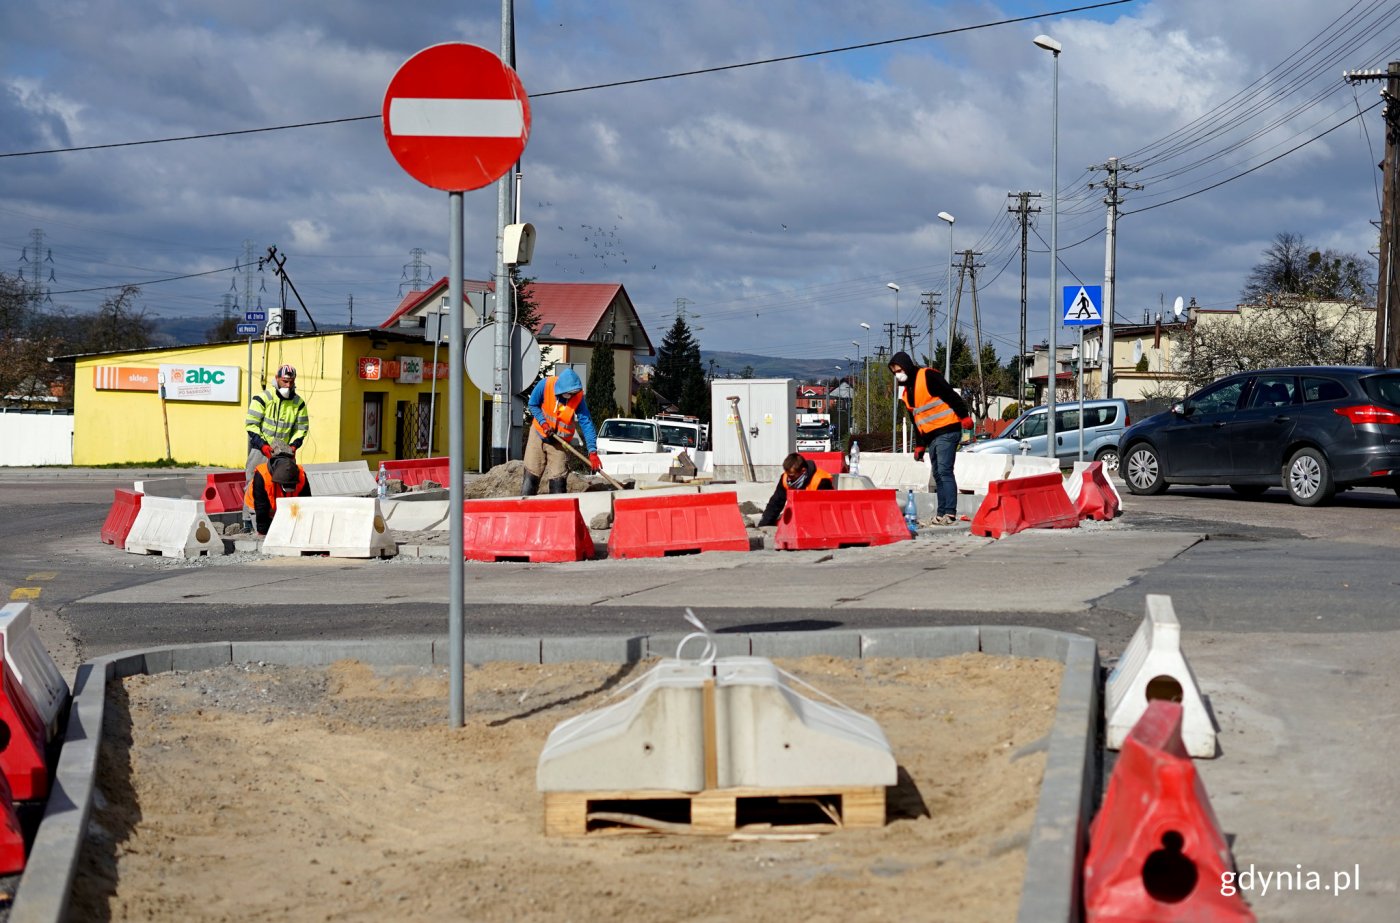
[(1156, 851), (414, 471), (11, 834), (816, 519), (22, 729), (1035, 502), (223, 492), (544, 529), (655, 527), (831, 462), (1097, 497), (120, 517)]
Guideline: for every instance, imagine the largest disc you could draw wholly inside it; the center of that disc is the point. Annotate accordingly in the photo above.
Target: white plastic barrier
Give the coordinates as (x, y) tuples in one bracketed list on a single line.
[(31, 664), (174, 488), (1075, 483), (896, 469), (340, 479), (342, 527), (415, 515), (766, 733), (1153, 667), (651, 463), (975, 470), (173, 528), (1024, 466)]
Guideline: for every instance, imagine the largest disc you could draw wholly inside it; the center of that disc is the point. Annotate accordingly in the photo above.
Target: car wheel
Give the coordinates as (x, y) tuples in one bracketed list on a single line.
[(1249, 490), (1308, 478), (1109, 457), (1143, 470)]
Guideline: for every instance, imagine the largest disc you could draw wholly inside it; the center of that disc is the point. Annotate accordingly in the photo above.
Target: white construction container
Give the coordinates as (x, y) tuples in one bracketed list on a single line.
[(768, 410)]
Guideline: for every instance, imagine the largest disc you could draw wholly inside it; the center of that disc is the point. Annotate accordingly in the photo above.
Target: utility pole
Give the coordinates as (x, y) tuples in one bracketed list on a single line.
[(930, 301), (351, 299), (1110, 259), (1023, 211), (416, 282), (968, 257), (1387, 342)]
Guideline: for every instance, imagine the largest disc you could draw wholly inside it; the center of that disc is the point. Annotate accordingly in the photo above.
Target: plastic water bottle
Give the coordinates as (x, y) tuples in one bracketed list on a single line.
[(911, 513), (383, 482), (853, 460)]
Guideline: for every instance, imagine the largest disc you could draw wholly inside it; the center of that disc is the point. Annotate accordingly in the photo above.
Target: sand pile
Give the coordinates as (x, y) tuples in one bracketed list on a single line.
[(505, 480)]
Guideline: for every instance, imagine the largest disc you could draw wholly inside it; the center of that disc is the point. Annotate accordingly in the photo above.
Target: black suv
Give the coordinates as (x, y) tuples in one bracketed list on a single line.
[(1313, 430)]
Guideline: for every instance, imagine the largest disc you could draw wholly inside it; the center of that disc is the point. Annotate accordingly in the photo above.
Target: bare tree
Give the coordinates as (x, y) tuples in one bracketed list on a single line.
[(1291, 267)]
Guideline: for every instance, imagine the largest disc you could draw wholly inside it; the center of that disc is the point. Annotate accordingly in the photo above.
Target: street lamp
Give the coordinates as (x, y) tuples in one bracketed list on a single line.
[(1054, 47), (894, 396), (948, 302)]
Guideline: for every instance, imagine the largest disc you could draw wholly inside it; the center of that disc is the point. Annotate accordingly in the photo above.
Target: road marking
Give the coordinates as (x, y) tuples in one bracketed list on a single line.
[(43, 575), (26, 592)]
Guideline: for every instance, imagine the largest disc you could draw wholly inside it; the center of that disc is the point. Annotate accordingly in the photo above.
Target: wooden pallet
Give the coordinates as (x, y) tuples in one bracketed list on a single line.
[(715, 812)]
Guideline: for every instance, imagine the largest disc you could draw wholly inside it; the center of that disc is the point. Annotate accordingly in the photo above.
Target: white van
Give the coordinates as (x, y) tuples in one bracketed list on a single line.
[(627, 436)]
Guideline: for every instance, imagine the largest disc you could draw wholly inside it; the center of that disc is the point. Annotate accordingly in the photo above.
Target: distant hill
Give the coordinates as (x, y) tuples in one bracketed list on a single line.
[(734, 365)]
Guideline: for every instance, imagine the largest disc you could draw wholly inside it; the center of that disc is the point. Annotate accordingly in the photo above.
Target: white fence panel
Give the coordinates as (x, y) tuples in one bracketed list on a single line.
[(28, 439)]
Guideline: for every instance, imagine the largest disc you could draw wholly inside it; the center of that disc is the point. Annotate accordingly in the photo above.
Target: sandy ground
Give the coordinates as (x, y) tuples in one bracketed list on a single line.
[(272, 793)]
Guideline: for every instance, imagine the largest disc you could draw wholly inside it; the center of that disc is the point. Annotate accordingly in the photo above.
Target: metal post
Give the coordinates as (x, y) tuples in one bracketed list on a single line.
[(456, 407), (1110, 260), (1054, 47), (948, 301), (502, 401), (1080, 369)]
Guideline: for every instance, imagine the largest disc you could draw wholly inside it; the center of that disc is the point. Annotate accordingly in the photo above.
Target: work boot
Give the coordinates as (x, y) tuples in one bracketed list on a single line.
[(559, 485), (530, 486)]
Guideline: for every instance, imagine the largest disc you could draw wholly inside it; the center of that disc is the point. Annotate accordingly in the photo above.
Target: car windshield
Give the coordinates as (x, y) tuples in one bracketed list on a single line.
[(1383, 388), (634, 430), (683, 436), (813, 432)]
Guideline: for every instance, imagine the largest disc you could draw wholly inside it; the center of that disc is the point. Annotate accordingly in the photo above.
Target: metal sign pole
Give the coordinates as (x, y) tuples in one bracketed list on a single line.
[(455, 410), (1081, 393)]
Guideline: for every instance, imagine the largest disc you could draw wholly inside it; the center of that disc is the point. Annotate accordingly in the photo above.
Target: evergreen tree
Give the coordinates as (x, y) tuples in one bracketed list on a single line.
[(601, 380), (680, 378)]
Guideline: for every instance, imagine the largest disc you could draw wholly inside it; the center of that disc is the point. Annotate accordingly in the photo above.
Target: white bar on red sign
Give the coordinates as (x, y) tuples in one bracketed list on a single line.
[(456, 118)]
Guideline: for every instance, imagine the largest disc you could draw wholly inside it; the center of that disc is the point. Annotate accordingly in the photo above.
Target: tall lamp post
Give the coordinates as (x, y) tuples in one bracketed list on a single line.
[(948, 302), (837, 401), (894, 395), (867, 373), (1051, 377)]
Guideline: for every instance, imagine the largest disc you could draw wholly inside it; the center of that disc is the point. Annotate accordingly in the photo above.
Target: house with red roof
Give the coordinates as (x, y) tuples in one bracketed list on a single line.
[(576, 319)]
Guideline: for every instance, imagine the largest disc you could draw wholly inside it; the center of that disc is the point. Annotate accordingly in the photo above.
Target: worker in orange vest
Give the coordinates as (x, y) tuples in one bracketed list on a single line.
[(558, 410), (939, 416), (280, 476), (798, 474)]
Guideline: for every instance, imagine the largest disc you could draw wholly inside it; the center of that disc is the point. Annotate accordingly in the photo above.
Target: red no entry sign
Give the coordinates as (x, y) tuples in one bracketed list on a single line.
[(456, 117)]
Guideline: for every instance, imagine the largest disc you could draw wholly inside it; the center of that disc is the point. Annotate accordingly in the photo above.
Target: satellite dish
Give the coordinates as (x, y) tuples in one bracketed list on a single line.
[(1137, 351), (1178, 306)]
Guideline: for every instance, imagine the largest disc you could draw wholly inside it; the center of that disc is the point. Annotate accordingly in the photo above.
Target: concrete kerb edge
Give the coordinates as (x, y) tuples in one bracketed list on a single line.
[(1050, 888)]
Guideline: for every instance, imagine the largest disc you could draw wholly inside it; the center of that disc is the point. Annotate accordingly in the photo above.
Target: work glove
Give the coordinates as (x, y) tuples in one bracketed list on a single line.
[(266, 450), (967, 423), (550, 432), (919, 452), (595, 461)]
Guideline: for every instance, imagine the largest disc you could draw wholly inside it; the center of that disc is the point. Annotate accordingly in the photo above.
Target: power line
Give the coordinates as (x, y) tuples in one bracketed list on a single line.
[(612, 85), (103, 288)]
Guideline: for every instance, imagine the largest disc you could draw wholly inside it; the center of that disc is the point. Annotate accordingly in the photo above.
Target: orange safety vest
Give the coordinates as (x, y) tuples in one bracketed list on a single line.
[(814, 483), (274, 490), (558, 415), (930, 413)]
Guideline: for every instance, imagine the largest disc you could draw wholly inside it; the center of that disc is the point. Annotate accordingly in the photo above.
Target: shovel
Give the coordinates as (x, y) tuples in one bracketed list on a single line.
[(616, 485)]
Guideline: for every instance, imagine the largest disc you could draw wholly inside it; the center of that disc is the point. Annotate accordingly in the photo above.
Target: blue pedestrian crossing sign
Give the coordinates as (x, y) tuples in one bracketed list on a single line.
[(1081, 305)]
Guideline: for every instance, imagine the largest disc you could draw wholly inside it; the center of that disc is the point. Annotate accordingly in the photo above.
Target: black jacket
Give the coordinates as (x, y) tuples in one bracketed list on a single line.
[(937, 386), (774, 509)]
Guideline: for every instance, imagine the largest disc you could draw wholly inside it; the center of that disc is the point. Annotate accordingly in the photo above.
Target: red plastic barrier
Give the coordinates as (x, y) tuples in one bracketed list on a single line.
[(546, 529), (830, 462), (654, 527), (11, 835), (21, 726), (125, 506), (815, 519), (1036, 502), (1097, 498), (414, 471), (223, 492), (1156, 851)]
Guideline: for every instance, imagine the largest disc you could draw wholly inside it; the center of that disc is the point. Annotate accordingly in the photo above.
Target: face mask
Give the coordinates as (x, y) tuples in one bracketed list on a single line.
[(285, 393), (900, 377), (797, 482)]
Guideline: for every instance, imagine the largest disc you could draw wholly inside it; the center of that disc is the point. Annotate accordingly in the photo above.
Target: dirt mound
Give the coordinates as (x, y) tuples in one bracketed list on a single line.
[(505, 481)]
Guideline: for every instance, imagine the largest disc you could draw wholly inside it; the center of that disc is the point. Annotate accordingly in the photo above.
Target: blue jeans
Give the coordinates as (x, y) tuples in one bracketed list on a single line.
[(941, 452)]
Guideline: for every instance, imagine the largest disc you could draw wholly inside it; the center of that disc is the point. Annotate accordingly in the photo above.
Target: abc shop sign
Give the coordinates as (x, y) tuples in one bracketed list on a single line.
[(200, 382)]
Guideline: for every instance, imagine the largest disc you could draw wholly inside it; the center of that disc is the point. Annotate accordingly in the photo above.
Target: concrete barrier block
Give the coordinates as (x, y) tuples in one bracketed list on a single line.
[(32, 665), (896, 469), (480, 649), (757, 494), (607, 649), (381, 652), (341, 527), (1039, 642), (854, 482), (975, 470), (920, 642), (1025, 466), (192, 657), (415, 515), (726, 645), (173, 528), (340, 479), (176, 488), (995, 639), (787, 644)]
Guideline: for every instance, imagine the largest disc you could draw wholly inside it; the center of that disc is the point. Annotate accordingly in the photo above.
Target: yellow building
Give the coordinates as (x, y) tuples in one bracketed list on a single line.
[(372, 394)]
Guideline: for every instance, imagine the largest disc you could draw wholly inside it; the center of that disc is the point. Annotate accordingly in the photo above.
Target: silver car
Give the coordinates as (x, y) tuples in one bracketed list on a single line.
[(1104, 423)]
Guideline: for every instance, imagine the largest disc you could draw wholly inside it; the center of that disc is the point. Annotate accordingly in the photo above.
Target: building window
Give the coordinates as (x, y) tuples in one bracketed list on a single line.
[(373, 438)]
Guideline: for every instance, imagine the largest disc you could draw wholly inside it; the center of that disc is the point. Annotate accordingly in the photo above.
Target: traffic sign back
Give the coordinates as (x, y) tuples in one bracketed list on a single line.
[(456, 117), (1081, 305)]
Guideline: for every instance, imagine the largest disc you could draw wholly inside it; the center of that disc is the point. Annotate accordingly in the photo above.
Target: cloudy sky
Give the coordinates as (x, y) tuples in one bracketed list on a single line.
[(778, 199)]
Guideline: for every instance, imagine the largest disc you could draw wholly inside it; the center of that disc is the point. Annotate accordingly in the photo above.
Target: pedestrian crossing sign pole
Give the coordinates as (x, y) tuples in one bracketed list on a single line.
[(1082, 309)]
